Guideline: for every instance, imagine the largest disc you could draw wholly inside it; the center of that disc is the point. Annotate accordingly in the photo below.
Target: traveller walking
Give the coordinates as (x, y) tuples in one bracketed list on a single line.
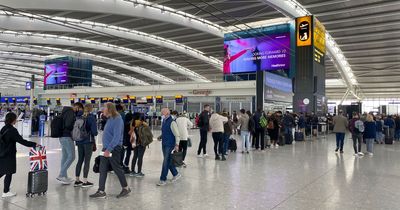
[(340, 125), (204, 128)]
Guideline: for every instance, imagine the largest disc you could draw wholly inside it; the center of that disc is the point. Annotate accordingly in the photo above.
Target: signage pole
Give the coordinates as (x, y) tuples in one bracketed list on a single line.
[(32, 92)]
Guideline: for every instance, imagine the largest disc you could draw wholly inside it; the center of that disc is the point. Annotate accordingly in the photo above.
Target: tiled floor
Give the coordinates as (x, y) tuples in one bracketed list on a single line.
[(307, 175)]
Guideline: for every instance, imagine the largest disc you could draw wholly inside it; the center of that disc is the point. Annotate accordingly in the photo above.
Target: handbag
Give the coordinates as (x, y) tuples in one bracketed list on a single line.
[(189, 142), (177, 159)]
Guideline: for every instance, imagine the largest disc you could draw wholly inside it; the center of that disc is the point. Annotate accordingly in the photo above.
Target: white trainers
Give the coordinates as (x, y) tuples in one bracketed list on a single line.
[(8, 195), (361, 154), (370, 154), (200, 156), (162, 183), (175, 178), (356, 155), (205, 155), (64, 180)]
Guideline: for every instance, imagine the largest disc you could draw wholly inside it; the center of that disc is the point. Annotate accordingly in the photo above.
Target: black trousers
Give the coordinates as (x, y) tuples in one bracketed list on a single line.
[(203, 142), (218, 143), (7, 182), (138, 153), (85, 152), (183, 145), (127, 156), (115, 162), (259, 135)]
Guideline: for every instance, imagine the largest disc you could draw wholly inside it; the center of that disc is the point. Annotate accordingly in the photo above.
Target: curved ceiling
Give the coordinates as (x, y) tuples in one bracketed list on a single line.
[(169, 41)]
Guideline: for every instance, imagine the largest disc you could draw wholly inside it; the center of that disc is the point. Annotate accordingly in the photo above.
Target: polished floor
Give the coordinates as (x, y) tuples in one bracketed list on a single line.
[(307, 175)]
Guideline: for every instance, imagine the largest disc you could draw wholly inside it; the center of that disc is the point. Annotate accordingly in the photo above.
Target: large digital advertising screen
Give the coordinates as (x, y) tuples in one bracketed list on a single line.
[(264, 53), (56, 73)]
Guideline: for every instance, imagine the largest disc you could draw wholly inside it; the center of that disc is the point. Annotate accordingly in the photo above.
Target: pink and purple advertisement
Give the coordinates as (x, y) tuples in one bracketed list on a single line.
[(56, 73), (265, 53)]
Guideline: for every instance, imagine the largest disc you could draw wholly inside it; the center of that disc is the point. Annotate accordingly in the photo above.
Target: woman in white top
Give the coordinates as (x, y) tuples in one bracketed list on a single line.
[(183, 124)]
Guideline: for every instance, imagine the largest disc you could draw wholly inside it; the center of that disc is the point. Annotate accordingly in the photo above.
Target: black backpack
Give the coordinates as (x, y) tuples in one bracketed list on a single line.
[(3, 145), (57, 127)]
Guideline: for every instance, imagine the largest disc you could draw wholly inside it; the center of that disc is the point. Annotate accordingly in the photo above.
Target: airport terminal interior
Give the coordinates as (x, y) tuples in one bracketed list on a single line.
[(199, 104)]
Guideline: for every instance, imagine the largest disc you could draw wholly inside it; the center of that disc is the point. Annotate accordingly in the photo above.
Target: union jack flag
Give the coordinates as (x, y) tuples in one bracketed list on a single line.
[(38, 158)]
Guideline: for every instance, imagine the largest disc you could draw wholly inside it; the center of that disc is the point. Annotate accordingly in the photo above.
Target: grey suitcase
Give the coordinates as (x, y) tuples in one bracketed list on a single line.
[(37, 183)]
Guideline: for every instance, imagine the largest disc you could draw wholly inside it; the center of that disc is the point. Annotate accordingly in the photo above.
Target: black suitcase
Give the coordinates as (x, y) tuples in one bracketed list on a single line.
[(281, 140), (388, 139), (37, 183), (288, 138), (299, 136), (232, 146)]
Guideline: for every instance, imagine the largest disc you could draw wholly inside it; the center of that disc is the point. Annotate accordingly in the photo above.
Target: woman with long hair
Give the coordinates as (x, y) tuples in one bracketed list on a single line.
[(370, 134), (137, 144)]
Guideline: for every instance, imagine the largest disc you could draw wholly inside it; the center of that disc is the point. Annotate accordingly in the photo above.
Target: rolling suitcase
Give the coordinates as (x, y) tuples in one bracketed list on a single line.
[(299, 136), (38, 175), (281, 140), (388, 139), (288, 138), (232, 146)]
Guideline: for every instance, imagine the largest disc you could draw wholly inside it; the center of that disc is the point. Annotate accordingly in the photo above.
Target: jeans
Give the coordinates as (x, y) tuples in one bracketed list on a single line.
[(245, 140), (259, 134), (85, 152), (370, 145), (167, 163), (115, 162), (397, 135), (226, 143), (203, 142), (68, 155), (380, 137), (357, 142), (138, 153), (7, 182), (339, 141), (218, 138), (183, 145)]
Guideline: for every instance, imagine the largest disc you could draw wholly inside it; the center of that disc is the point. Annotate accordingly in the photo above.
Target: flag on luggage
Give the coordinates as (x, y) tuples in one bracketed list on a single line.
[(38, 159)]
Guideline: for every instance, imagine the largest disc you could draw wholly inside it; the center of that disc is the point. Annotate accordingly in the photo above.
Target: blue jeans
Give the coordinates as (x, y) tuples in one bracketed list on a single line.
[(226, 143), (370, 145), (397, 135), (167, 163), (339, 141), (245, 140), (68, 155), (380, 136)]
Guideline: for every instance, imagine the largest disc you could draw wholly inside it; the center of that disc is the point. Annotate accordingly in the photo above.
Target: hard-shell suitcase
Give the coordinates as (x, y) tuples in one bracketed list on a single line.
[(37, 183), (388, 139), (38, 175), (299, 136), (281, 140)]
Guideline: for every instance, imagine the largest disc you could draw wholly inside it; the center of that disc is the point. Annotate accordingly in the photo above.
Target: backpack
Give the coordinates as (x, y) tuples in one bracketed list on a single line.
[(145, 135), (79, 132), (3, 146), (271, 125), (359, 126), (263, 121), (57, 127)]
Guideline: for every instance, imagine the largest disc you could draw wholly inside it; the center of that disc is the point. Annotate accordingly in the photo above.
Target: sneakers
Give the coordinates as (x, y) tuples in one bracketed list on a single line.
[(126, 170), (370, 154), (124, 193), (200, 156), (223, 158), (8, 195), (184, 165), (133, 174), (175, 178), (217, 157), (361, 154), (337, 149), (87, 185), (356, 155), (64, 180), (139, 175), (98, 194), (161, 183), (78, 184), (341, 152), (205, 155)]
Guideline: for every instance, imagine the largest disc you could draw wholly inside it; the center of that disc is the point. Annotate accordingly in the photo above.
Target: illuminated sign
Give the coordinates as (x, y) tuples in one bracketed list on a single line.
[(319, 36), (28, 85), (149, 99), (72, 100), (159, 99), (178, 99), (132, 99), (303, 31)]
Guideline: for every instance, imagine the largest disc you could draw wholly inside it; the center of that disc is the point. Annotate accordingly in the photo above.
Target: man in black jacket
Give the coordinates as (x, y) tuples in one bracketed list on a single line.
[(259, 130), (67, 145), (204, 127)]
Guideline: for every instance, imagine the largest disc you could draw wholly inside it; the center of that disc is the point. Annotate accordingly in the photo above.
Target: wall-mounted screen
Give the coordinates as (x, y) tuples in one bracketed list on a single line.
[(263, 53), (56, 73), (277, 88)]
